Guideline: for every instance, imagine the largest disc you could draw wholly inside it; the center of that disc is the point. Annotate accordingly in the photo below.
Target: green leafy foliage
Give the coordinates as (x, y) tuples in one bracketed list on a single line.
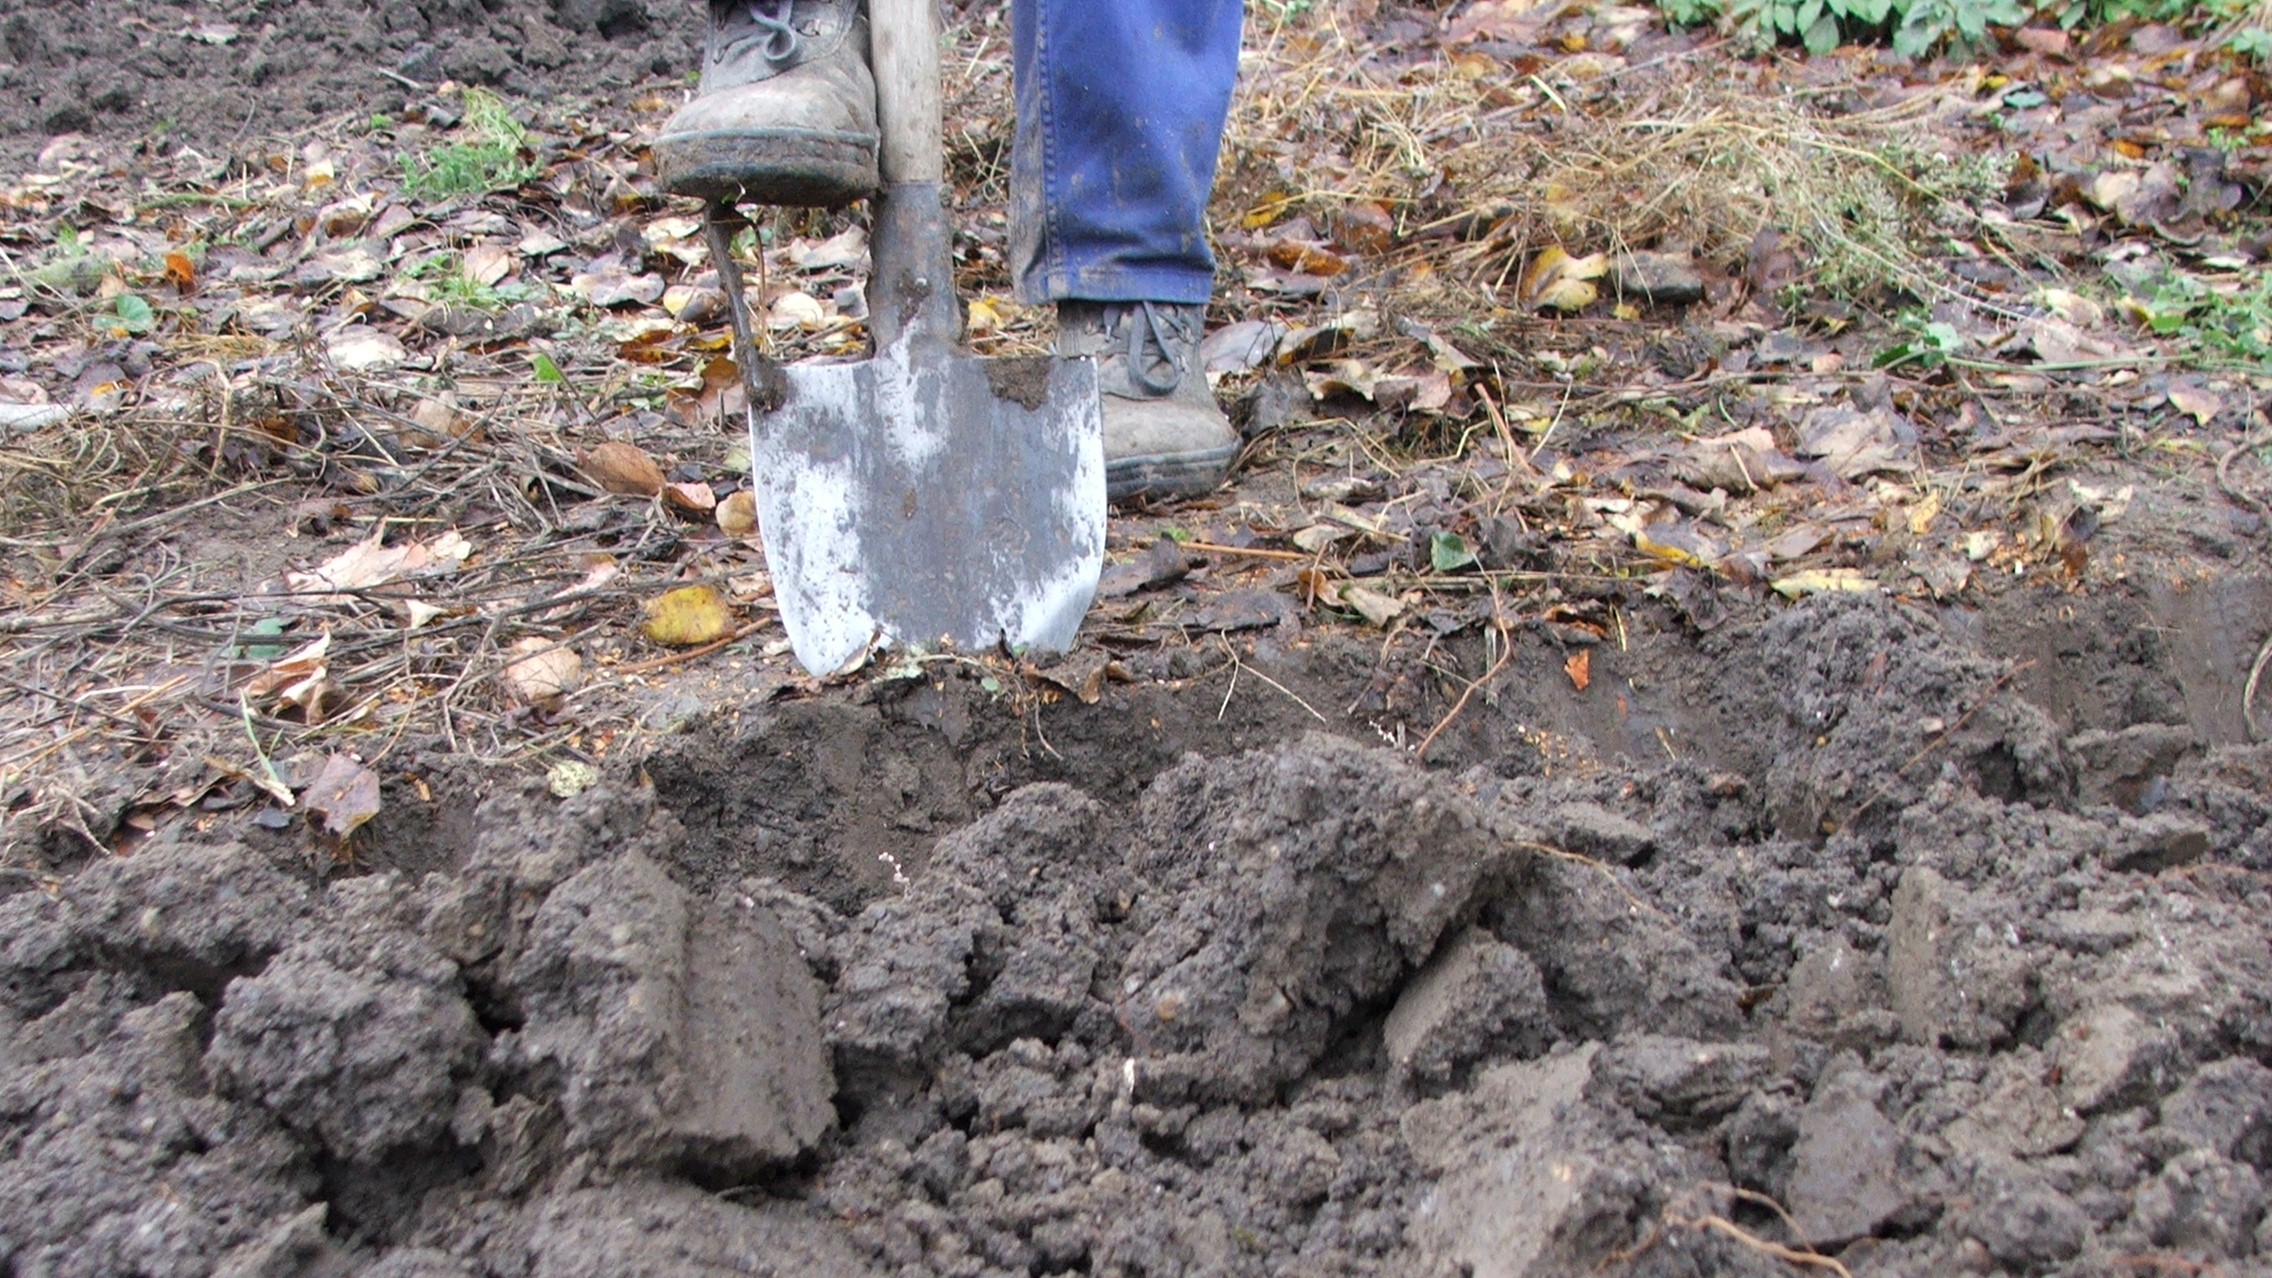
[(133, 315), (2221, 322), (486, 157), (1919, 28)]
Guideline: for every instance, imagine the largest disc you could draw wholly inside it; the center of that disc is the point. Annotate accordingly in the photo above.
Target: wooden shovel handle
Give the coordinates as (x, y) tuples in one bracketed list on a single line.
[(905, 44)]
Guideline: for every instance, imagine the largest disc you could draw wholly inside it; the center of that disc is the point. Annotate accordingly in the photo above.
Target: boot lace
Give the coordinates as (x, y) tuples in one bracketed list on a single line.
[(1155, 358), (768, 26)]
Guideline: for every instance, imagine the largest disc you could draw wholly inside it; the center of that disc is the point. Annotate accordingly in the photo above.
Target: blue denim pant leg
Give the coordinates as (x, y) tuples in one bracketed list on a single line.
[(1120, 108)]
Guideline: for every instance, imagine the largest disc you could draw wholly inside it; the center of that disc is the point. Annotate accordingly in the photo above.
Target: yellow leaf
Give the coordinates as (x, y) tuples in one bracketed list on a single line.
[(1555, 280), (1820, 581), (1666, 551), (688, 618)]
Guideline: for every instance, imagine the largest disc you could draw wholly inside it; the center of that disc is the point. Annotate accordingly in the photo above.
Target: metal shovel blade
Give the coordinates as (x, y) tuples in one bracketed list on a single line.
[(924, 497)]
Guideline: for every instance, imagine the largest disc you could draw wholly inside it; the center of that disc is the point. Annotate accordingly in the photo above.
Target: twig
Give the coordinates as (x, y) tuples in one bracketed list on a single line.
[(2248, 691), (691, 654), (1255, 552), (1461, 704), (1238, 665)]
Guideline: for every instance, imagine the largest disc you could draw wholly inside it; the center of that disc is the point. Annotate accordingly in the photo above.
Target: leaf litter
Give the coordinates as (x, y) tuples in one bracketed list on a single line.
[(1541, 309)]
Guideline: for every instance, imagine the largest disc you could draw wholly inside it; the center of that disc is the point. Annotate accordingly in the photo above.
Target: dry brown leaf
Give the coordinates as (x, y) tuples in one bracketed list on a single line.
[(359, 348), (688, 618), (693, 498), (1380, 609), (737, 515), (620, 467), (541, 672), (1580, 668), (345, 794), (2197, 402), (370, 562), (488, 264)]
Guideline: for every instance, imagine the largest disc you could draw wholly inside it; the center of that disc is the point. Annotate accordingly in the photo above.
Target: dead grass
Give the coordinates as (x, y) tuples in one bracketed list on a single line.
[(1484, 169)]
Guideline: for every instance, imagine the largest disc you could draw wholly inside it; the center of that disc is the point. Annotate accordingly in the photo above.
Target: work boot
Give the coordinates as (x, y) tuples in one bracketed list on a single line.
[(786, 112), (1164, 435)]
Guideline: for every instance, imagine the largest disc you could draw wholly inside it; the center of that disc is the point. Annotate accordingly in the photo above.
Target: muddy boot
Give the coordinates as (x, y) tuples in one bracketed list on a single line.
[(786, 113), (1164, 435)]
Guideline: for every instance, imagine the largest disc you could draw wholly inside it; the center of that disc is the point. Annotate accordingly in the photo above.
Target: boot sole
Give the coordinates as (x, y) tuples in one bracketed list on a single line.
[(1168, 474), (797, 167)]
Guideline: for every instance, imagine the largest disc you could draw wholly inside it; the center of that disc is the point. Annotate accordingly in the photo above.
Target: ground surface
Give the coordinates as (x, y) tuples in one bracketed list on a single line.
[(1617, 784)]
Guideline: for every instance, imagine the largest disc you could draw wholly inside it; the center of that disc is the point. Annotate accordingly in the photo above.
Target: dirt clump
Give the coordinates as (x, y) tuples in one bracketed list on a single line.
[(1898, 980)]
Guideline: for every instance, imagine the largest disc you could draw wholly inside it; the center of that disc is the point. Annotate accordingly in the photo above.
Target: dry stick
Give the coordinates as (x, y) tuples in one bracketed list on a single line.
[(691, 654), (1255, 552), (1940, 739), (2239, 496), (1461, 704), (2248, 691)]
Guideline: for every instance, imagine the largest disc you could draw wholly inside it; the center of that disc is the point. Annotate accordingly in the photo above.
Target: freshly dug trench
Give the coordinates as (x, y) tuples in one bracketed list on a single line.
[(1958, 990)]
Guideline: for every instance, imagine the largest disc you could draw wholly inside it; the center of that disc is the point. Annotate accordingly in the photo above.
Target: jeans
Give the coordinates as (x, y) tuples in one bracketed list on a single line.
[(1120, 107)]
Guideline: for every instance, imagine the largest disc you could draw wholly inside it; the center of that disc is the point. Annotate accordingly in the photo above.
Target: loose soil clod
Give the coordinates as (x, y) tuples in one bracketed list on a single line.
[(1307, 1007)]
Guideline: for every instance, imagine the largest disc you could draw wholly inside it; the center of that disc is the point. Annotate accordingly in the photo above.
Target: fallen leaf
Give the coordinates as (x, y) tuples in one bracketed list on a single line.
[(1822, 581), (180, 270), (487, 264), (541, 672), (345, 794), (359, 348), (2196, 402), (688, 618), (1555, 280), (737, 515), (612, 286), (371, 562), (797, 310), (621, 467), (1380, 609), (301, 663), (1854, 443), (1580, 668), (848, 247), (693, 498)]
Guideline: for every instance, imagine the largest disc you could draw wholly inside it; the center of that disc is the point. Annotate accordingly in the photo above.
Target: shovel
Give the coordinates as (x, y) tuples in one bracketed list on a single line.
[(922, 497)]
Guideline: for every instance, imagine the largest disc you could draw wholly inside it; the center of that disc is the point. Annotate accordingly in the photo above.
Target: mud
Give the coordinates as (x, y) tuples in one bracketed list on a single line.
[(1893, 962), (217, 78)]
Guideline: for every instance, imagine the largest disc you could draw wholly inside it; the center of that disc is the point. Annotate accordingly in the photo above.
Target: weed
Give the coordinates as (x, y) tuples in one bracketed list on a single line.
[(2219, 322), (486, 157), (1919, 28), (447, 282)]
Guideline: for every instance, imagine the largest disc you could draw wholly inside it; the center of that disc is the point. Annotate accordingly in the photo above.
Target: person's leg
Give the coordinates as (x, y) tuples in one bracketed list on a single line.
[(1120, 108), (1121, 105)]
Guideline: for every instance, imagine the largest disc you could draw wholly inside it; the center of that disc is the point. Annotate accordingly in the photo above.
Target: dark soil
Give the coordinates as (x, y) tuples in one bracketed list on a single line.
[(217, 76), (888, 986)]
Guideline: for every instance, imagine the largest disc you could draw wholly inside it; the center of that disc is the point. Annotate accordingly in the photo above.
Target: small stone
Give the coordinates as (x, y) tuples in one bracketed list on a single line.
[(1662, 279)]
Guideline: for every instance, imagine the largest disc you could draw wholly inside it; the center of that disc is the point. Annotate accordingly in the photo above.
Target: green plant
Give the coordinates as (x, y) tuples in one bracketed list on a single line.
[(1692, 13), (448, 282), (487, 155), (2226, 322), (1928, 343)]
